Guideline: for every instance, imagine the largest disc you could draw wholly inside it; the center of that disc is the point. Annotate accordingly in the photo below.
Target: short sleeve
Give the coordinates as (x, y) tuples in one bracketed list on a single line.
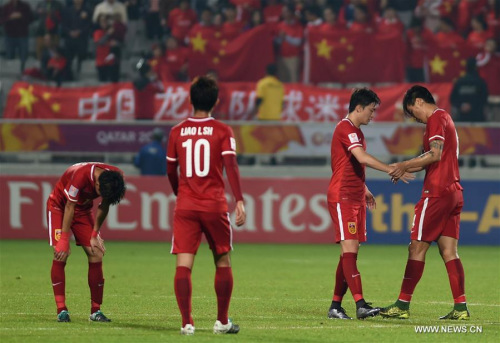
[(73, 188), (349, 137), (436, 127), (171, 151), (260, 89), (228, 142)]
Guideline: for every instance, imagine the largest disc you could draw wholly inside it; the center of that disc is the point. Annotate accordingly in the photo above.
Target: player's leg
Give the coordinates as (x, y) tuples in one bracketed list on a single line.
[(217, 229), (448, 246), (186, 239), (336, 310), (57, 273)]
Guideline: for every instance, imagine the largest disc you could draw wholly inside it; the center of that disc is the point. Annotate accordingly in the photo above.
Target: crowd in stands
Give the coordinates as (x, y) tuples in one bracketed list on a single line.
[(64, 28)]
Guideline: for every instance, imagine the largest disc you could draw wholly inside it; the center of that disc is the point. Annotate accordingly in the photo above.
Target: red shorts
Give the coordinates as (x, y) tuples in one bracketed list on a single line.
[(82, 226), (349, 221), (436, 217), (189, 226)]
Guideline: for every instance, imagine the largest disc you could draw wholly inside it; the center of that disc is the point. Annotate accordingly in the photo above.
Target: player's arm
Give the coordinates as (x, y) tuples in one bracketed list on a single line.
[(173, 177), (95, 240), (62, 249), (370, 199), (419, 162), (233, 176)]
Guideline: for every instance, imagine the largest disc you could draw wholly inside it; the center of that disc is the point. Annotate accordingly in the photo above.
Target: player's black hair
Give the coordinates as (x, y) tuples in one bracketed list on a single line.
[(363, 97), (271, 69), (411, 96), (112, 186), (204, 93)]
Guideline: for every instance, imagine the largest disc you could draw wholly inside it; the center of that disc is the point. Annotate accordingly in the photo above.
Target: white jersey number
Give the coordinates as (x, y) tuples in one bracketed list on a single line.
[(195, 159)]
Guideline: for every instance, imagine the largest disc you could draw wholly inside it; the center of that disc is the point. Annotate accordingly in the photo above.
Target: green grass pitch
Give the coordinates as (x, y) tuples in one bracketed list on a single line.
[(281, 294)]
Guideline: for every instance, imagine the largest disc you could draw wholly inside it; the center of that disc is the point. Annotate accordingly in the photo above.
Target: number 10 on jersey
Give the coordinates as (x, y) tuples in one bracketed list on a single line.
[(200, 144)]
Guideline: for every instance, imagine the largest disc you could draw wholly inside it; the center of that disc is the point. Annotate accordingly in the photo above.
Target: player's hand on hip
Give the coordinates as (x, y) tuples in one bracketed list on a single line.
[(240, 213)]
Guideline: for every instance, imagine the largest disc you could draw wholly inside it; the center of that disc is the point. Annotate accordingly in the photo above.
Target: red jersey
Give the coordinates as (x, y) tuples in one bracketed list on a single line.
[(348, 175), (231, 31), (103, 51), (448, 39), (77, 185), (294, 31), (272, 13), (417, 47), (477, 39), (198, 145), (180, 22), (58, 63), (176, 59), (441, 176)]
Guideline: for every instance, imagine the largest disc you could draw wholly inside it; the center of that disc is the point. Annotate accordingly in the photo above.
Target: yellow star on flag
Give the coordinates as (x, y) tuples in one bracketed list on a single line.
[(222, 52), (223, 42), (46, 95), (341, 67), (349, 59), (456, 54), (198, 43), (350, 47), (27, 99), (323, 49), (438, 65), (343, 40), (216, 60), (56, 107)]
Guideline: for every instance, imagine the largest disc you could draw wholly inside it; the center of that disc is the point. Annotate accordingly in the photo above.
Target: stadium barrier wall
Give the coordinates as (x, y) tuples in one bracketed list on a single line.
[(279, 210), (290, 139)]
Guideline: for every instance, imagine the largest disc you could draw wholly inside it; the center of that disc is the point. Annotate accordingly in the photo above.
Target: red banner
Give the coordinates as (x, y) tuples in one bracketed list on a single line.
[(276, 212), (342, 56), (237, 101), (232, 60)]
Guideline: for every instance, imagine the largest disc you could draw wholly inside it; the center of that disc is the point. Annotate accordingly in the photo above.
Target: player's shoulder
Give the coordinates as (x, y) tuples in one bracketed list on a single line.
[(345, 125)]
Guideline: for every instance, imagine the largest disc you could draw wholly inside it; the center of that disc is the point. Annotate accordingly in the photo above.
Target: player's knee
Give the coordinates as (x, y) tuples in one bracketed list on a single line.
[(448, 254)]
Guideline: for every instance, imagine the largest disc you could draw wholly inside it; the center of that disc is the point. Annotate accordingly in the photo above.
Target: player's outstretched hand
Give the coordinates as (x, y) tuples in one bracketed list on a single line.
[(62, 250), (370, 200), (241, 215), (97, 243), (398, 170), (406, 178)]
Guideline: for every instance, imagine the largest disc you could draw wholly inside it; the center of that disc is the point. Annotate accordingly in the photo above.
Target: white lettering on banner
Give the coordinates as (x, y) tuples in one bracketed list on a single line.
[(288, 211), (106, 137), (292, 105), (163, 202), (112, 218), (267, 209), (324, 108), (92, 107), (16, 201), (125, 104), (172, 102), (238, 110), (315, 204), (46, 190)]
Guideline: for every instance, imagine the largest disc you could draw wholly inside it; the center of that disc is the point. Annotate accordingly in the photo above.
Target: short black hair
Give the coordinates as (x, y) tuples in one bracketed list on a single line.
[(411, 96), (363, 97), (204, 93), (272, 69), (112, 186)]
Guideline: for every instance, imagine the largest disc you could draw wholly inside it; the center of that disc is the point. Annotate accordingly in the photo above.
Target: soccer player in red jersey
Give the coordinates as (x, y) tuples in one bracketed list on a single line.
[(69, 208), (348, 197), (202, 147), (437, 214)]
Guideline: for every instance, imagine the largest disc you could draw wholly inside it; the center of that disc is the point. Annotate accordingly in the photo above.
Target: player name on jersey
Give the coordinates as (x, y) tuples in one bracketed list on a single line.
[(197, 131)]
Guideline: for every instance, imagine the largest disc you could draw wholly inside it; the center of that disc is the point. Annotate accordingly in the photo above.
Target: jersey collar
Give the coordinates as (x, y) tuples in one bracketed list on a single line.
[(200, 119)]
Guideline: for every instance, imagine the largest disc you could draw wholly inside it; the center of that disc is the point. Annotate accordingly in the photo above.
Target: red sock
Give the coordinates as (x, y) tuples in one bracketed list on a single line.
[(59, 284), (352, 275), (96, 285), (413, 273), (223, 288), (457, 279), (183, 290), (340, 283)]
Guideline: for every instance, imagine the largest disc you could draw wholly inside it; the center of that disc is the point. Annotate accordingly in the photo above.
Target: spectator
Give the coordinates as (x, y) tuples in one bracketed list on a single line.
[(57, 67), (135, 25), (312, 15), (469, 95), (158, 63), (48, 14), (256, 19), (390, 22), (177, 60), (430, 13), (105, 60), (290, 35), (15, 17), (330, 23), (231, 27), (488, 63), (151, 159), (404, 9), (76, 23), (446, 36), (419, 38), (205, 27), (465, 11), (244, 9), (270, 96), (153, 20), (146, 86), (493, 18), (110, 8), (479, 34), (180, 20), (362, 20), (272, 12), (117, 40)]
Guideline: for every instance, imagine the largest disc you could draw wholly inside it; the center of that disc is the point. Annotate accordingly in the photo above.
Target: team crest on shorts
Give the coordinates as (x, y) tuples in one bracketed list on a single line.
[(352, 227), (58, 234)]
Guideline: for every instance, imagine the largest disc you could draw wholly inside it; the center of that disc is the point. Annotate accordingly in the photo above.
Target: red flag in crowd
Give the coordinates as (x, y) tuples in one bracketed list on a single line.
[(343, 56), (446, 64), (232, 60)]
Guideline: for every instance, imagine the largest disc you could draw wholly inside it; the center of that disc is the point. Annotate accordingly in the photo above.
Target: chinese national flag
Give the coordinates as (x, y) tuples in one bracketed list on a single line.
[(343, 56), (445, 64), (234, 60)]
